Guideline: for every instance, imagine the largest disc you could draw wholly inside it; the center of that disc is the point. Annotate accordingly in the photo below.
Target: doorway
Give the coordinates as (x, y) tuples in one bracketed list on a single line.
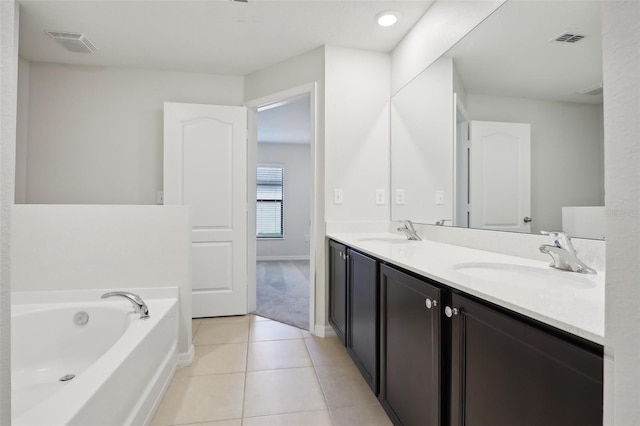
[(281, 259)]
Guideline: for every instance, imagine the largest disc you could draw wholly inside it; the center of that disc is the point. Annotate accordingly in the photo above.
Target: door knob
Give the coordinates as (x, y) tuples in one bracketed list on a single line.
[(527, 219), (449, 311), (430, 303)]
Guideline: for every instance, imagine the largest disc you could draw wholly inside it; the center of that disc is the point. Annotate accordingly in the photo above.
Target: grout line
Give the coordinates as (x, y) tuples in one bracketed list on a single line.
[(246, 368)]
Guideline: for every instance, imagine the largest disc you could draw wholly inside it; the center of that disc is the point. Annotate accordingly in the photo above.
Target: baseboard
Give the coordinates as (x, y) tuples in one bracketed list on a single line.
[(280, 258), (185, 359), (324, 331)]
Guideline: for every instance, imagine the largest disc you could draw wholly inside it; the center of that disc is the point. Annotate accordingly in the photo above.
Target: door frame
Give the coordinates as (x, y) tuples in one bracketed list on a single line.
[(252, 154)]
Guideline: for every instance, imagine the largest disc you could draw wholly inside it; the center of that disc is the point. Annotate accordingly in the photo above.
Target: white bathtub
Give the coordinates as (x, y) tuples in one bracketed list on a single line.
[(121, 363)]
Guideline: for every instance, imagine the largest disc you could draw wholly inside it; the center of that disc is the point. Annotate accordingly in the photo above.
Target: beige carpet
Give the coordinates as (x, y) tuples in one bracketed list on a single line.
[(283, 291)]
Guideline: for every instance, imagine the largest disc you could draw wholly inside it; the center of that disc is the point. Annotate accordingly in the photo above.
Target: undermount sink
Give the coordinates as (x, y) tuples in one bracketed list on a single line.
[(392, 240), (531, 276)]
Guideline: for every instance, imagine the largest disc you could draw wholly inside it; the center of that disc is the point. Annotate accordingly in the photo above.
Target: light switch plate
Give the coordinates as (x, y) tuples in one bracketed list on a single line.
[(379, 197), (399, 197), (338, 196), (439, 198)]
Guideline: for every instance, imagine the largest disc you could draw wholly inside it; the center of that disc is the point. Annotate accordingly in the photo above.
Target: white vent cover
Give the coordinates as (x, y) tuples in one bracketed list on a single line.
[(569, 37), (73, 42)]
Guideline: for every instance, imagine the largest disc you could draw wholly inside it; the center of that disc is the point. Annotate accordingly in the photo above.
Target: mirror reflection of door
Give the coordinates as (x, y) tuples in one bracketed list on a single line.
[(500, 176)]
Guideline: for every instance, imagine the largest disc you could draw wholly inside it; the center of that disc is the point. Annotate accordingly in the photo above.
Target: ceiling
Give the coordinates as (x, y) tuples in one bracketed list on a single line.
[(209, 36), (512, 53)]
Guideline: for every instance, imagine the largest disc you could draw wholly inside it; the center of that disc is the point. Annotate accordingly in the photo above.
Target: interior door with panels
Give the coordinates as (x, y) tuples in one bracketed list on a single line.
[(205, 160)]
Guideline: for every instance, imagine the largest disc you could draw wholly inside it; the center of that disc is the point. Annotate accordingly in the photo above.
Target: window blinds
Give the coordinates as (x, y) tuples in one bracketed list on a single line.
[(269, 205)]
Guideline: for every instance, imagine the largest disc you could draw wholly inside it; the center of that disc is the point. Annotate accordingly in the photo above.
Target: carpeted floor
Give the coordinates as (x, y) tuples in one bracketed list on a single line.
[(283, 291)]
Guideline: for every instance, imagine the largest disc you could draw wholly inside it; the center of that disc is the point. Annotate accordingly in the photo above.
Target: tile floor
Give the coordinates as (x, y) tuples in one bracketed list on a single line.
[(252, 371)]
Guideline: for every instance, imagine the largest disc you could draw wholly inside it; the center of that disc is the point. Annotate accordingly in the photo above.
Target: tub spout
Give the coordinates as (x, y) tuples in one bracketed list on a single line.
[(138, 304)]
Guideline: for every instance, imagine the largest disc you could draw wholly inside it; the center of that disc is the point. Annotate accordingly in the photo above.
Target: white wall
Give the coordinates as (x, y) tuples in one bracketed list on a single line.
[(22, 140), (9, 12), (621, 70), (422, 154), (83, 247), (442, 26), (357, 127), (295, 160), (567, 164), (95, 134)]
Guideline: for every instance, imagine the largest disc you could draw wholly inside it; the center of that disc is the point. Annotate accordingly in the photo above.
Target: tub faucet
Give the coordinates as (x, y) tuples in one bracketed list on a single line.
[(563, 254), (409, 230), (138, 304)]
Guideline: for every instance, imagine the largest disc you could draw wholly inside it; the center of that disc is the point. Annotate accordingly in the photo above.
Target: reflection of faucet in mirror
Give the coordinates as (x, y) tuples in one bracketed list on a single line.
[(441, 222), (409, 230), (563, 254)]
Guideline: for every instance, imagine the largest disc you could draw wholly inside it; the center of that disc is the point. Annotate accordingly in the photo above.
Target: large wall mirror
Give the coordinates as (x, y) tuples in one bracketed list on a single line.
[(505, 130)]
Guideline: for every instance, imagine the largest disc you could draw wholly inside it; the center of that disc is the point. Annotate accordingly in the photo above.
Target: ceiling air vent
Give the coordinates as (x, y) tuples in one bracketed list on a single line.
[(73, 42), (569, 38)]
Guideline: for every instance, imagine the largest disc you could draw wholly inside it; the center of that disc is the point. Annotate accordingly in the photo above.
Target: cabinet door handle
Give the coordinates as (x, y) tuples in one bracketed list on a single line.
[(430, 303), (449, 311)]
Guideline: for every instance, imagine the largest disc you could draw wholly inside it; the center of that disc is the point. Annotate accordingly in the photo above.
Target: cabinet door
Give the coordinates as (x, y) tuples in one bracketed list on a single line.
[(410, 348), (363, 342), (338, 289), (508, 372)]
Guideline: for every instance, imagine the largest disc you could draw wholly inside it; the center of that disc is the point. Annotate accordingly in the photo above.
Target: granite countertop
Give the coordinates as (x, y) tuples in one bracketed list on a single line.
[(566, 300)]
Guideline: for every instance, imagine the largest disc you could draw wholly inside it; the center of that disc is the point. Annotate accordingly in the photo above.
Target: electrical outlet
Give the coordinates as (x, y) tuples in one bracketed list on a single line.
[(439, 198), (338, 196), (399, 197), (379, 197)]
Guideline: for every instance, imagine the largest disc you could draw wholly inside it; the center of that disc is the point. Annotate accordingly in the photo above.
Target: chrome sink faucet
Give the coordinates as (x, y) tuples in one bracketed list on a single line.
[(409, 230), (563, 254), (138, 304)]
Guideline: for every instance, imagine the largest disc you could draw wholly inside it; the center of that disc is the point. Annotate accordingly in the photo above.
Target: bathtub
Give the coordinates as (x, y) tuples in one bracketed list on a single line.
[(122, 364)]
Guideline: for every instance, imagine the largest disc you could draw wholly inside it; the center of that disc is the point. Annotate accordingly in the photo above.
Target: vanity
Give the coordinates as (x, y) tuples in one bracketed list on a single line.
[(448, 335)]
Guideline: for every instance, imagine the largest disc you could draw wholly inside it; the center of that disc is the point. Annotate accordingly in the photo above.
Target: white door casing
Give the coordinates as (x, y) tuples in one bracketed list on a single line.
[(205, 149), (500, 171)]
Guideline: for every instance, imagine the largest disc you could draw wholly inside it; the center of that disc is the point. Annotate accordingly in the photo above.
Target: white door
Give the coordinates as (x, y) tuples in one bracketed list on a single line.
[(205, 157), (500, 176)]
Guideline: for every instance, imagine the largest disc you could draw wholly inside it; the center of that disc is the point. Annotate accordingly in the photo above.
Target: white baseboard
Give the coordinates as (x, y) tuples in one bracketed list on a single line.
[(185, 359), (324, 331), (280, 258)]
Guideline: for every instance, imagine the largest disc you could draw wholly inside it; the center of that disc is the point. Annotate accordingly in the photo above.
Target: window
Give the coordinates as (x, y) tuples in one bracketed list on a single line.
[(269, 210)]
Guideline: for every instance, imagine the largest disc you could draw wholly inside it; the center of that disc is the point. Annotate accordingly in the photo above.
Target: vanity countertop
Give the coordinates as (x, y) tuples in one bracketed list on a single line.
[(566, 300)]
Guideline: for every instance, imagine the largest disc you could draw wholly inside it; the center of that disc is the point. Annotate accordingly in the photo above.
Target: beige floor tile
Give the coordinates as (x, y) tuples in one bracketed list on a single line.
[(213, 334), (195, 323), (233, 422), (306, 334), (327, 351), (274, 354), (273, 330), (282, 391), (244, 319), (201, 399), (344, 386), (306, 418), (360, 415), (216, 359)]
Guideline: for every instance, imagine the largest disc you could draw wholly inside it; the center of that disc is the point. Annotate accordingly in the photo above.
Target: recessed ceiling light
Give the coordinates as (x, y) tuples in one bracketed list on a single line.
[(387, 18)]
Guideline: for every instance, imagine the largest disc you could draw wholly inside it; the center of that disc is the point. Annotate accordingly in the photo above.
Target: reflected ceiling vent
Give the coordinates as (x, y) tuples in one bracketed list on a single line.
[(593, 90), (73, 42), (569, 37)]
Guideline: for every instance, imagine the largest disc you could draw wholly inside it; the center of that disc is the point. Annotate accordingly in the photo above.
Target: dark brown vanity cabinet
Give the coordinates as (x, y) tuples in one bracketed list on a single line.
[(363, 310), (507, 372), (338, 289), (411, 344), (441, 357)]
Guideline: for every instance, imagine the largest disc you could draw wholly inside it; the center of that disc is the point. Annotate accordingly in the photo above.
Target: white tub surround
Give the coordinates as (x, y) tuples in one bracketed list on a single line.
[(566, 300), (122, 363)]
